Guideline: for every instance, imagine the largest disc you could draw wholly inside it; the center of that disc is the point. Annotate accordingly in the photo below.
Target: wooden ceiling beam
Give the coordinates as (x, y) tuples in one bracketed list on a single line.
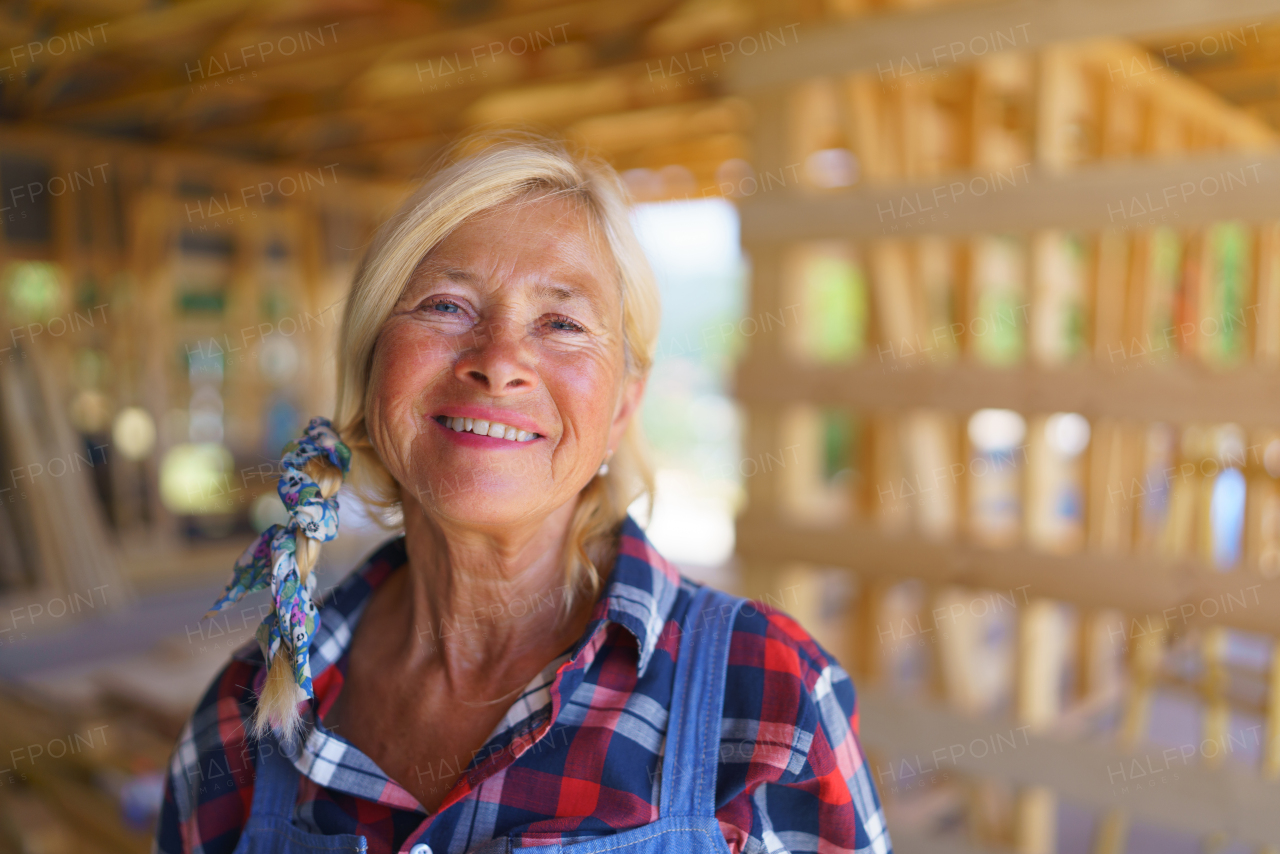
[(41, 138), (621, 132), (1177, 92), (702, 154), (235, 31), (46, 91), (449, 112), (587, 19), (162, 23), (1267, 111), (884, 41), (1240, 86)]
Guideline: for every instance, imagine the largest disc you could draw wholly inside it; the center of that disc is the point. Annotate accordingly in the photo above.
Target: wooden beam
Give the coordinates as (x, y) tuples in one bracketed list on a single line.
[(1135, 584), (354, 57), (1245, 86), (1188, 796), (405, 151), (1128, 388), (141, 30), (1173, 92), (40, 138), (580, 96), (1115, 196), (957, 34)]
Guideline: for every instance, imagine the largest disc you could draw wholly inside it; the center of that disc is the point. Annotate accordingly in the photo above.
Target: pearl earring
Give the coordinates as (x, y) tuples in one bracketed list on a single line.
[(604, 466)]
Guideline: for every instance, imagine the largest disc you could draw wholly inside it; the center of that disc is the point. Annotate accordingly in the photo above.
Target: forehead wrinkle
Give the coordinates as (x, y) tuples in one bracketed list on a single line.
[(566, 207), (580, 254), (570, 258), (456, 274), (431, 266)]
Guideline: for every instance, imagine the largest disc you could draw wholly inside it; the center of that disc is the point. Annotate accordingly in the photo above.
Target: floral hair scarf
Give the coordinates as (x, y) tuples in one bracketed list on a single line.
[(272, 560)]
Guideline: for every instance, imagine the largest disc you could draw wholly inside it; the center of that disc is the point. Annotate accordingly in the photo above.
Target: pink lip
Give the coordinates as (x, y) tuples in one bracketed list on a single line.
[(490, 414)]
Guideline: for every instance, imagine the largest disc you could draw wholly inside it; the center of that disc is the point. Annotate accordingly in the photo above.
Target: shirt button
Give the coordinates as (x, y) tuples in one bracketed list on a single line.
[(420, 848)]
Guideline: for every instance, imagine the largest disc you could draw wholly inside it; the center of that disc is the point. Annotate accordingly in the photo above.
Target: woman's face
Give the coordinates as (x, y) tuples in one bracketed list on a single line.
[(514, 319)]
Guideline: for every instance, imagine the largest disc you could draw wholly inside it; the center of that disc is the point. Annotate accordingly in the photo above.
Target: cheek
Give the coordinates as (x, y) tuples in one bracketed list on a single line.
[(585, 386), (404, 360)]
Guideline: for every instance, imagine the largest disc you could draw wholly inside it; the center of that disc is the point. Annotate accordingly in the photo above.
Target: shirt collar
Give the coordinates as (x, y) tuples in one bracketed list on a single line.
[(638, 594), (640, 590)]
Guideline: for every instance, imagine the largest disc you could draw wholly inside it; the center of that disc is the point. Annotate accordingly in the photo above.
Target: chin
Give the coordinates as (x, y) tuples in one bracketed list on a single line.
[(481, 498)]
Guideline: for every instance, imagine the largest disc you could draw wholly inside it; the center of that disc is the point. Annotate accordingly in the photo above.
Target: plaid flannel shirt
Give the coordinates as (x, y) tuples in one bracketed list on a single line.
[(578, 755)]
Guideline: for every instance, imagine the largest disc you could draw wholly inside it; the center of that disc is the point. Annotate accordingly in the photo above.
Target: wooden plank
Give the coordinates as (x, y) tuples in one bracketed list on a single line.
[(1145, 656), (1178, 593), (1112, 834), (1271, 746), (1175, 94), (1117, 196), (1035, 820), (1179, 393), (383, 193), (1216, 710), (949, 35), (1038, 664), (1199, 800), (352, 58), (1267, 335)]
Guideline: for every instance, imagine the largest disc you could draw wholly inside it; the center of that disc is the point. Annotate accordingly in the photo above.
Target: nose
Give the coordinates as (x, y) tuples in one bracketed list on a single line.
[(499, 362)]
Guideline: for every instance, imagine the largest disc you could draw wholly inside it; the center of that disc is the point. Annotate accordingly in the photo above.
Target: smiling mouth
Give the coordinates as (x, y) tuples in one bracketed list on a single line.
[(481, 427)]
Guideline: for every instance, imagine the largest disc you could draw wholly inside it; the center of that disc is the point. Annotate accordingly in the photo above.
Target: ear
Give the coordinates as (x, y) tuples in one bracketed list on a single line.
[(628, 405)]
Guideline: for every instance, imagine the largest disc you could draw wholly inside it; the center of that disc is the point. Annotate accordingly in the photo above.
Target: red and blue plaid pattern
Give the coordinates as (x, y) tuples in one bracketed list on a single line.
[(579, 753)]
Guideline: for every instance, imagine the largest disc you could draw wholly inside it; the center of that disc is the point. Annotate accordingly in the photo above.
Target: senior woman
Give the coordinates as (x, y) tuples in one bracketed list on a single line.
[(520, 668)]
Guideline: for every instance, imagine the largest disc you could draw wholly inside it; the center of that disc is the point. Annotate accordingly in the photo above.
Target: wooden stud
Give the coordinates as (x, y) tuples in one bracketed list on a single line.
[(1267, 346), (1271, 722), (1035, 821), (1112, 835), (1214, 685), (1146, 652)]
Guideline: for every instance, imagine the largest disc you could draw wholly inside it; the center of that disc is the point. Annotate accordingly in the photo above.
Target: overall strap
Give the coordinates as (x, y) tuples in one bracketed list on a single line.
[(692, 751), (275, 784)]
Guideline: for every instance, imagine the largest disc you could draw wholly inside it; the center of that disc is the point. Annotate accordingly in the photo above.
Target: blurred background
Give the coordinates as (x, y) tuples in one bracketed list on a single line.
[(970, 361)]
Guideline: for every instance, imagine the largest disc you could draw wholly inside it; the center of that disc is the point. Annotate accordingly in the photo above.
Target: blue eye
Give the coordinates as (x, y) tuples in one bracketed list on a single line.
[(443, 307), (565, 325)]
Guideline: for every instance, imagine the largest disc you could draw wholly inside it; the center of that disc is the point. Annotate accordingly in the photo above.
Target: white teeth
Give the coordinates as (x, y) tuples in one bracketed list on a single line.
[(488, 428)]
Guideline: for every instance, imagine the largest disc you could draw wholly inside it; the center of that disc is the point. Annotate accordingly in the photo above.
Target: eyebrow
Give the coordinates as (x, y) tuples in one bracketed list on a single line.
[(556, 292), (559, 293), (453, 273)]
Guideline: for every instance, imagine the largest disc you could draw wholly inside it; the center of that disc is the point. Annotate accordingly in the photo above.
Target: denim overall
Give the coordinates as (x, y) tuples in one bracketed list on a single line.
[(686, 815)]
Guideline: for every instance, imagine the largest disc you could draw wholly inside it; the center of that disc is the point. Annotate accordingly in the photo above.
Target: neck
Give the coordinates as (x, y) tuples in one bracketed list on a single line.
[(485, 606)]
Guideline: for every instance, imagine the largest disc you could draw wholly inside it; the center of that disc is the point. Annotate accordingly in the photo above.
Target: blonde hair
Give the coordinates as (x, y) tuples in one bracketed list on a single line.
[(278, 703), (479, 173)]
